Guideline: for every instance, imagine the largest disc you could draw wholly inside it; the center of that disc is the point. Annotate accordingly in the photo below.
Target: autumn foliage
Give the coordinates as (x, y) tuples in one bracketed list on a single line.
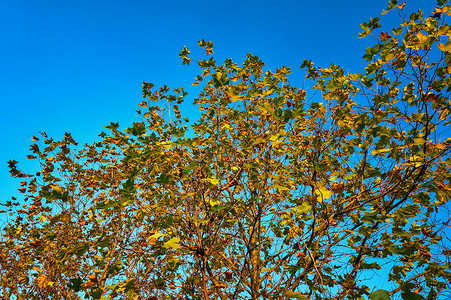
[(275, 192)]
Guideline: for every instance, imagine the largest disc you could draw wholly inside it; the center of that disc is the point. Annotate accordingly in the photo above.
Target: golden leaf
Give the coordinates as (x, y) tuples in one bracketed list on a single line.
[(421, 37), (440, 10), (445, 48), (57, 189), (93, 278)]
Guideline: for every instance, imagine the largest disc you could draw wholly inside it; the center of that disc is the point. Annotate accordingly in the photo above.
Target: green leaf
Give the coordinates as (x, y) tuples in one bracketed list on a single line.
[(55, 219), (164, 179), (304, 207), (391, 5), (281, 187), (419, 141), (220, 79), (166, 145), (184, 56), (375, 152), (298, 295), (137, 129), (81, 249), (75, 284), (380, 295), (411, 296), (403, 250), (113, 126), (128, 188)]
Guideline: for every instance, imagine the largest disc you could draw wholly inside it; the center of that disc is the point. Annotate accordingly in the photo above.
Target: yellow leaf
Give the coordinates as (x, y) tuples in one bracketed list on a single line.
[(232, 95), (214, 181), (166, 145), (421, 37), (445, 48), (172, 243), (57, 189), (415, 160), (419, 141), (440, 10), (374, 152), (213, 202), (281, 188), (154, 238), (42, 280), (440, 146), (237, 98), (323, 193), (23, 279)]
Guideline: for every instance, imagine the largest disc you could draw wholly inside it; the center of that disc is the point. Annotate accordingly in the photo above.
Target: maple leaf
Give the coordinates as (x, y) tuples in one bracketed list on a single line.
[(385, 36)]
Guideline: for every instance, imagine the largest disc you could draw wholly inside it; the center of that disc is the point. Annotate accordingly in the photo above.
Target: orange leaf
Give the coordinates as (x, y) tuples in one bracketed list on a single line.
[(143, 104), (443, 113), (401, 6), (426, 253), (36, 243), (89, 284), (384, 35), (431, 97), (338, 188)]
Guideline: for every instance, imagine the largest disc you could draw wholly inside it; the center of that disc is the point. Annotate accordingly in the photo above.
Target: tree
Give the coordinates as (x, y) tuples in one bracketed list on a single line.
[(272, 194)]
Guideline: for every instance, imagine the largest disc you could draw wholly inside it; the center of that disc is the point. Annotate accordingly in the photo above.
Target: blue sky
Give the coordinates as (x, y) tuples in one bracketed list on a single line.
[(76, 66)]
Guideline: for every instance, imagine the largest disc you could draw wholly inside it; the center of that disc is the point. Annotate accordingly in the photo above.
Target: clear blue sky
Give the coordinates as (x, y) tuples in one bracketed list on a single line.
[(76, 66)]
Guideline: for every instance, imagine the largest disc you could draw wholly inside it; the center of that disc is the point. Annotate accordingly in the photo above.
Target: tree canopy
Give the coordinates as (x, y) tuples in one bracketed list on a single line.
[(275, 192)]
